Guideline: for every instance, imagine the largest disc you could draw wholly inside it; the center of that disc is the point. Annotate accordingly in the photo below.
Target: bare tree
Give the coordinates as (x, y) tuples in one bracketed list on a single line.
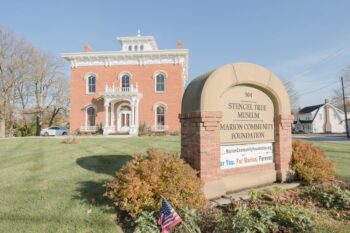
[(337, 98), (60, 94), (47, 69), (13, 67), (293, 94)]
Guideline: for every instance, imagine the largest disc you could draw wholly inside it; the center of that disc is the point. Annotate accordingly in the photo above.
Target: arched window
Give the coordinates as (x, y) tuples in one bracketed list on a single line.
[(130, 48), (91, 116), (141, 47), (135, 47), (160, 78), (160, 116), (125, 82), (91, 84)]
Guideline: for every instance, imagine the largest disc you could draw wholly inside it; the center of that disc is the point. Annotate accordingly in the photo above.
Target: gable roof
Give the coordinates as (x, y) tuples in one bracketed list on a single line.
[(310, 108)]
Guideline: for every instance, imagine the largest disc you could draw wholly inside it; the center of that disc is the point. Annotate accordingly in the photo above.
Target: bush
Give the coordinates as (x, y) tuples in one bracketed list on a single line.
[(70, 139), (333, 197), (142, 182), (294, 218), (25, 130), (251, 221), (210, 219), (310, 164), (147, 222), (143, 129)]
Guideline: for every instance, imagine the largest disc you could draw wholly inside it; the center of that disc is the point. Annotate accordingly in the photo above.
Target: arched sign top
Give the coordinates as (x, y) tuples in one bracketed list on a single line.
[(205, 92)]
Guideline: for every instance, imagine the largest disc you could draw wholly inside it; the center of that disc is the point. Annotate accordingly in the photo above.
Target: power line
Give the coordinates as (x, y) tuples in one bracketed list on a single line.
[(318, 89), (323, 61)]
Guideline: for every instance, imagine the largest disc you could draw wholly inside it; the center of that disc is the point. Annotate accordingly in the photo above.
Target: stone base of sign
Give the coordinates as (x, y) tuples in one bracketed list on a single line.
[(218, 188), (200, 147)]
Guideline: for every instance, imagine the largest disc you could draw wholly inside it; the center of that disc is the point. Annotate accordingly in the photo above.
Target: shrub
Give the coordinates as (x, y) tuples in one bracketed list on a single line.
[(257, 220), (147, 222), (70, 139), (294, 218), (143, 129), (25, 130), (142, 182), (310, 164), (210, 219), (100, 128), (190, 218), (333, 197)]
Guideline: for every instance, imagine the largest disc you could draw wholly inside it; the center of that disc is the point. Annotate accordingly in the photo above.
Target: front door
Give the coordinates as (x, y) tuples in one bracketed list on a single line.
[(124, 120)]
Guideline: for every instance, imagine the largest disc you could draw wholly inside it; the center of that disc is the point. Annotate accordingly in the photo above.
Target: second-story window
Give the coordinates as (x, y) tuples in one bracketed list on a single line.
[(125, 82), (160, 78), (91, 84)]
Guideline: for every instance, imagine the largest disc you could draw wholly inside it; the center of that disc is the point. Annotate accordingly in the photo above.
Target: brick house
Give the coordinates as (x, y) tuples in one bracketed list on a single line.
[(124, 89)]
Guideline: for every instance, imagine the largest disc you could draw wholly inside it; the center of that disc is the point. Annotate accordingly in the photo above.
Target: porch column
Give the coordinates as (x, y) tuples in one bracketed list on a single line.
[(86, 118), (106, 112), (137, 114), (112, 115), (132, 114)]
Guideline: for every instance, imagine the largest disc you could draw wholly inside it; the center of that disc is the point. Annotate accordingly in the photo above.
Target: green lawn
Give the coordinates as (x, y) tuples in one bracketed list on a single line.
[(47, 186), (339, 154)]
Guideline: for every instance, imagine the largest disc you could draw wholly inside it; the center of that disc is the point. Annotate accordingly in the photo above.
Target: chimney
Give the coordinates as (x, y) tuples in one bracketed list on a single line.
[(328, 126), (179, 44), (87, 48)]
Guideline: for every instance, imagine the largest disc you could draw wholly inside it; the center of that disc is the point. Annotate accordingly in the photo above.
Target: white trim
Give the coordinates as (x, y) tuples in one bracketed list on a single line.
[(120, 78), (86, 107), (120, 74), (113, 58), (89, 105), (86, 78), (155, 106), (118, 112), (155, 74)]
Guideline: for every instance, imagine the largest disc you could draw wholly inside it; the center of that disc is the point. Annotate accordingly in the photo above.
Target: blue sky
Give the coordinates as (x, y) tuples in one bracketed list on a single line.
[(307, 42)]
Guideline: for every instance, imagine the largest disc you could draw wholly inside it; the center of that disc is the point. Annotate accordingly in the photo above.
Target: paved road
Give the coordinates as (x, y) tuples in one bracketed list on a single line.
[(337, 138)]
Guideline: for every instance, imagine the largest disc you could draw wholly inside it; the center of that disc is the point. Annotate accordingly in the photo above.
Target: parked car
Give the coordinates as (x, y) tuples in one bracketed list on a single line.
[(54, 131)]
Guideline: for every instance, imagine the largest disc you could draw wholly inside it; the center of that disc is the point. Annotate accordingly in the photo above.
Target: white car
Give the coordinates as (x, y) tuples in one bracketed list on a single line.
[(54, 131)]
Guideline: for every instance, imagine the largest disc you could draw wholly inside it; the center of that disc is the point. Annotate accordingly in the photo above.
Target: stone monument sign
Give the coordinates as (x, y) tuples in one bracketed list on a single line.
[(236, 128)]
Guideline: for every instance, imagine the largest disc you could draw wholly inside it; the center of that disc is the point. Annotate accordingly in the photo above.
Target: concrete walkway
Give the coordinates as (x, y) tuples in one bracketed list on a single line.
[(243, 195)]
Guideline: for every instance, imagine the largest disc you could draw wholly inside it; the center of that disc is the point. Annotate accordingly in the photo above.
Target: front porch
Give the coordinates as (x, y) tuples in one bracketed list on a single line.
[(121, 110)]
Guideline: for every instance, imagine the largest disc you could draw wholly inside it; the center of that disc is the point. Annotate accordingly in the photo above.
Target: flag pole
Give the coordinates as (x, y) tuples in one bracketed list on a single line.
[(183, 222), (187, 228)]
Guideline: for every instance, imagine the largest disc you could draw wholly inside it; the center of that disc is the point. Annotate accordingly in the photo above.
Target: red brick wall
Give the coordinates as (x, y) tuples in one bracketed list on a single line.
[(200, 146), (143, 75)]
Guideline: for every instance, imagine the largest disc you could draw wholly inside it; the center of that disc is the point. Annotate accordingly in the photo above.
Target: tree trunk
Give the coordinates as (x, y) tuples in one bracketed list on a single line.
[(2, 127), (54, 114), (38, 125)]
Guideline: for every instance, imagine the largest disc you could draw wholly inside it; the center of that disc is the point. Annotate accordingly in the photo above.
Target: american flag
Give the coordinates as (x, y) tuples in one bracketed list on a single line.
[(168, 217)]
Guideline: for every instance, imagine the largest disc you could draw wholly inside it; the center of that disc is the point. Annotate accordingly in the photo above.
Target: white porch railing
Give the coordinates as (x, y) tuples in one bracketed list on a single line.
[(159, 128), (108, 129), (88, 128), (114, 89)]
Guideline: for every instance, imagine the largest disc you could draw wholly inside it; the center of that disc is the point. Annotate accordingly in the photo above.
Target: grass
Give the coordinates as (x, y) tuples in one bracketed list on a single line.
[(339, 153), (47, 186)]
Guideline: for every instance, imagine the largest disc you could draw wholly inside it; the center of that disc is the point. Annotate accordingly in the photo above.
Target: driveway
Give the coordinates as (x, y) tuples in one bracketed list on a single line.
[(337, 138)]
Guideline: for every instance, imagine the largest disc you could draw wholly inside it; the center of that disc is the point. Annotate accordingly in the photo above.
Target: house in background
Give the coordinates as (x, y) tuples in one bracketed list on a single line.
[(322, 118), (124, 89)]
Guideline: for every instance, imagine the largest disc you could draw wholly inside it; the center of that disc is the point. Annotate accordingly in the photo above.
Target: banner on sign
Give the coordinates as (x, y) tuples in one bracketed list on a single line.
[(234, 156)]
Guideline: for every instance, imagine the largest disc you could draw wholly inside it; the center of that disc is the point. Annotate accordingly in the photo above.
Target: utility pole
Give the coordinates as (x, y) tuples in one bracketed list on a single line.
[(345, 110)]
